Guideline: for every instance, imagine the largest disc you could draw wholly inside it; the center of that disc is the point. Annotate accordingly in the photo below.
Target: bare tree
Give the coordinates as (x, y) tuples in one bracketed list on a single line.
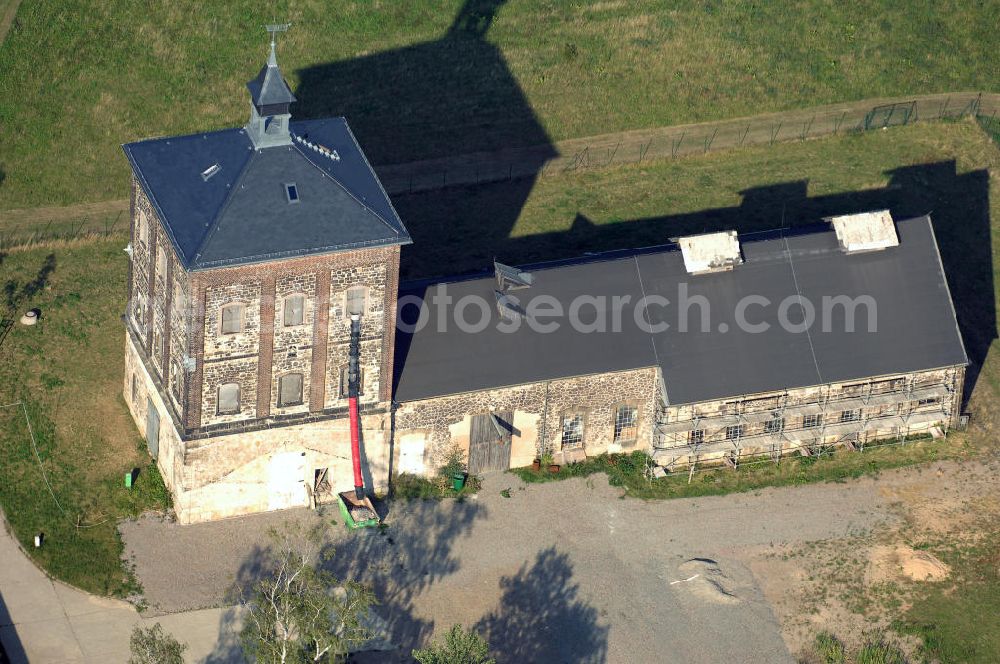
[(296, 612), (154, 646)]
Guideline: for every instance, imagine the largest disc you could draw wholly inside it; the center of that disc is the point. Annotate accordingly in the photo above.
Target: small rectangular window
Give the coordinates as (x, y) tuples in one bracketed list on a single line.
[(852, 415), (734, 432), (135, 390), (354, 300), (229, 399), (696, 436), (232, 319), (294, 310), (812, 421), (927, 402), (626, 424), (345, 385), (777, 425), (290, 390), (572, 430), (292, 192)]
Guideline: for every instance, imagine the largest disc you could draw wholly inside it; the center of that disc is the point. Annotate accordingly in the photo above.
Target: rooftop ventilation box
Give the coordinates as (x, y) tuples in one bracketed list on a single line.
[(867, 231), (710, 252)]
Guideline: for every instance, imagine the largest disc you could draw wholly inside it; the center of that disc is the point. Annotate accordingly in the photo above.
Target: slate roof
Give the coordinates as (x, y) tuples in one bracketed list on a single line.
[(269, 87), (241, 214), (916, 326)]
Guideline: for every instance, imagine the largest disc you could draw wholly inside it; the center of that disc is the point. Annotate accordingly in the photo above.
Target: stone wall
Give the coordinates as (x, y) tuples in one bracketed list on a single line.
[(435, 425)]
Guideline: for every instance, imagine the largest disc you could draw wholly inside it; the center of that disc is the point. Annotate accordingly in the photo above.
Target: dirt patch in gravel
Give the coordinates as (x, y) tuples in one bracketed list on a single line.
[(890, 563)]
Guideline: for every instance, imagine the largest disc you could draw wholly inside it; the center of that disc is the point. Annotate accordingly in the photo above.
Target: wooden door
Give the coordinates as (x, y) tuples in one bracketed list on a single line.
[(489, 442)]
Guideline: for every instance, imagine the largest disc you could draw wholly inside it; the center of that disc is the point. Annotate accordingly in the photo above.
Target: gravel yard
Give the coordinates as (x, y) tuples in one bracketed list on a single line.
[(565, 571)]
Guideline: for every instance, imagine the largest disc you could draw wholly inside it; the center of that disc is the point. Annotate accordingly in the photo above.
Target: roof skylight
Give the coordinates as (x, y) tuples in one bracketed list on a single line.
[(210, 171)]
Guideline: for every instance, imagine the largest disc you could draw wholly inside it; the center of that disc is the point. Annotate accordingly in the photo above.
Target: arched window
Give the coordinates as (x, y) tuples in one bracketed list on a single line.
[(232, 318), (229, 399), (290, 390), (355, 301), (294, 310)]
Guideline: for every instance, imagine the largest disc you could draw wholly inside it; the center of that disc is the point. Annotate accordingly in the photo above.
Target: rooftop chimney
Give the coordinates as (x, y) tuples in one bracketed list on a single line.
[(867, 231), (711, 252)]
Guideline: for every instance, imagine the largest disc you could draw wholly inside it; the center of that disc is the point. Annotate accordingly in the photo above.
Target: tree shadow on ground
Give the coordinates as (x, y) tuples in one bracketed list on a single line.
[(17, 293), (958, 203), (405, 558), (397, 562), (540, 617)]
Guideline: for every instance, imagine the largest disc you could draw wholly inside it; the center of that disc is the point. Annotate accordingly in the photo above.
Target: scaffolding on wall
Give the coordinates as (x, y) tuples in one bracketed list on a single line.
[(805, 421)]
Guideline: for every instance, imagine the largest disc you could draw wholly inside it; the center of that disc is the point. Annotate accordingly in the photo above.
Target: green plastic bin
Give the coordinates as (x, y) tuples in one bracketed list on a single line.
[(349, 521), (458, 481)]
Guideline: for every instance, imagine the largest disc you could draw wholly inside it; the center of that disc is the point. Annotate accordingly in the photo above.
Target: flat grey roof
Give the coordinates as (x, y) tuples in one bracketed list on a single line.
[(242, 214), (915, 326)]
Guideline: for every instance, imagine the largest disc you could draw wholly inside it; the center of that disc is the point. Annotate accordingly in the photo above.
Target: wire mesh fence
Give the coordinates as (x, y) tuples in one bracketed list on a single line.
[(26, 227), (671, 142)]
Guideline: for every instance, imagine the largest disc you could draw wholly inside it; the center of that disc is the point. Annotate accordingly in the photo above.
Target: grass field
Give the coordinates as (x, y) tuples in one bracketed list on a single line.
[(435, 77), (68, 368)]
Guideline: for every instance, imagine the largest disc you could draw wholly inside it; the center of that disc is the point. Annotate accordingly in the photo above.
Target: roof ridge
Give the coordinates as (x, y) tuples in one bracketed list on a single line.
[(346, 190), (218, 214), (378, 181), (151, 197)]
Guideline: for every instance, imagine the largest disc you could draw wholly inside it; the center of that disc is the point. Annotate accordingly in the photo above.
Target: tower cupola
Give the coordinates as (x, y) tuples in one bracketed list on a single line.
[(270, 98)]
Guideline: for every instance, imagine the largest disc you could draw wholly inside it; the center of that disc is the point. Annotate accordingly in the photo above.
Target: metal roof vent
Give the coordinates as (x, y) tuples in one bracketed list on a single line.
[(210, 171), (867, 231), (510, 278), (508, 306), (710, 252)]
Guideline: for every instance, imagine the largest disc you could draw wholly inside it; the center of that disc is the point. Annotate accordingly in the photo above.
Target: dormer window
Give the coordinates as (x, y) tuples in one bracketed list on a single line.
[(292, 192)]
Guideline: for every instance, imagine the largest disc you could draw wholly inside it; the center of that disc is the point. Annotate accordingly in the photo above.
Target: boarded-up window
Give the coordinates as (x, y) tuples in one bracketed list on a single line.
[(626, 424), (290, 390), (572, 430), (232, 318), (175, 381), (345, 383), (354, 301), (294, 310), (229, 399)]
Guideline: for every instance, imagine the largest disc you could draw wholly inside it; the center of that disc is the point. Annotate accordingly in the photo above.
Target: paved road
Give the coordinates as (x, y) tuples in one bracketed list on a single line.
[(562, 572), (44, 621)]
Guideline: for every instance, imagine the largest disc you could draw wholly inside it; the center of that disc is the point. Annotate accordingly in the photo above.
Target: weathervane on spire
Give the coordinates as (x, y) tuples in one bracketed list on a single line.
[(273, 29)]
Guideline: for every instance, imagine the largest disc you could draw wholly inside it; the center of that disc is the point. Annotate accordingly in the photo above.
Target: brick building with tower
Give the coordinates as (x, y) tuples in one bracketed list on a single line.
[(253, 248)]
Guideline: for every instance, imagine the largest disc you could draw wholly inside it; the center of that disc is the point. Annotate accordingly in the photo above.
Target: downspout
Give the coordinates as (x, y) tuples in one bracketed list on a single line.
[(353, 376)]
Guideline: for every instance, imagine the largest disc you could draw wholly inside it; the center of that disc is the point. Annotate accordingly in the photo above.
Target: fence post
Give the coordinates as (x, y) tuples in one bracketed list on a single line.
[(674, 146), (709, 141), (805, 128)]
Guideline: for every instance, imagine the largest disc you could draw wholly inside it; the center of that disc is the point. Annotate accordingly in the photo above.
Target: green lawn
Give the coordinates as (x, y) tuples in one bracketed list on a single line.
[(433, 77), (68, 370)]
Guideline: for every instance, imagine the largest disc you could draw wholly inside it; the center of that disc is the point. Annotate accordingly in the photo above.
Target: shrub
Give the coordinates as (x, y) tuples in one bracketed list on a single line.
[(830, 649), (154, 646), (876, 649), (460, 646)]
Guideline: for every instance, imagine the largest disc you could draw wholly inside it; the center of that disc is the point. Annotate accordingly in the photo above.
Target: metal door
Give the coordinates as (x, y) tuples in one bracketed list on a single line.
[(152, 428), (489, 442)]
